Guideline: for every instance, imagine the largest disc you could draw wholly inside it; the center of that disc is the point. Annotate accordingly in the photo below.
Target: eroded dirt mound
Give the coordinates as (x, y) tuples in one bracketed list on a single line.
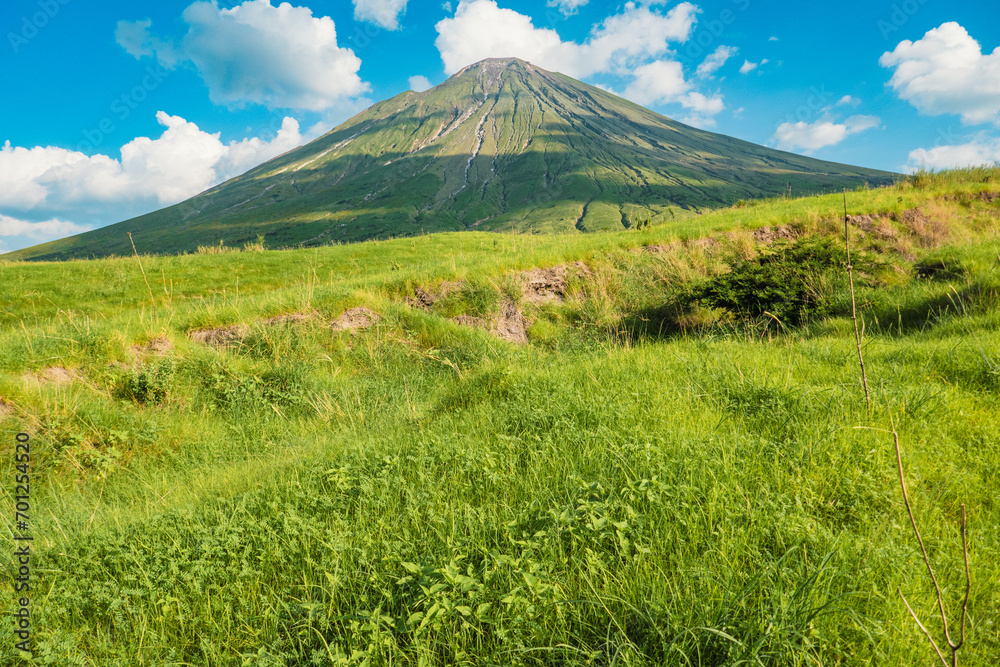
[(471, 321), (289, 318), (158, 345), (54, 375), (425, 298), (220, 336), (706, 243), (659, 248), (965, 197), (511, 324), (356, 318), (873, 225), (930, 232), (769, 235), (548, 285)]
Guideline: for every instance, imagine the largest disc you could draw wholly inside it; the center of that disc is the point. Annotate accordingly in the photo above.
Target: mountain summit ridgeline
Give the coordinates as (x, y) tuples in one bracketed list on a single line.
[(501, 145)]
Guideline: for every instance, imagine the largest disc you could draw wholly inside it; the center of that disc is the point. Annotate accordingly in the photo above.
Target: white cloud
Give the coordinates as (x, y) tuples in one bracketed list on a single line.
[(384, 13), (748, 66), (568, 7), (41, 231), (703, 104), (662, 82), (280, 57), (420, 83), (981, 150), (813, 136), (46, 184), (946, 72), (848, 100), (481, 29), (715, 60), (135, 38), (772, 39), (656, 83)]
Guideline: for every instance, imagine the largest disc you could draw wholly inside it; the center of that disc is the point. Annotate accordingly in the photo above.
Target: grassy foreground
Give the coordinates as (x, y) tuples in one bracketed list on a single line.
[(652, 480)]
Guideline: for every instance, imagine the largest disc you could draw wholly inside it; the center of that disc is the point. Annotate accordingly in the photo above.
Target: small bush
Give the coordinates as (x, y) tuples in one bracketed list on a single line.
[(280, 387), (149, 383), (792, 282)]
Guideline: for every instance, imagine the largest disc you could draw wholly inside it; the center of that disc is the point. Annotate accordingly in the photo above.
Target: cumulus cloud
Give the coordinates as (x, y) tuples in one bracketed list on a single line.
[(748, 66), (946, 72), (139, 42), (41, 231), (279, 57), (848, 100), (481, 29), (715, 60), (420, 83), (662, 82), (820, 134), (657, 82), (41, 186), (982, 150), (568, 7), (384, 13)]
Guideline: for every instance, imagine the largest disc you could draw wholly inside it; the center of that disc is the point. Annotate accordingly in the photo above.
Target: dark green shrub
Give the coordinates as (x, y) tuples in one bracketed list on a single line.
[(283, 387), (793, 282), (149, 383)]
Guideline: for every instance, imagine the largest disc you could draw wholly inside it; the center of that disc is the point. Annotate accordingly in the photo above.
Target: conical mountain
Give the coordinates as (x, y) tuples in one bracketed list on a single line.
[(500, 145)]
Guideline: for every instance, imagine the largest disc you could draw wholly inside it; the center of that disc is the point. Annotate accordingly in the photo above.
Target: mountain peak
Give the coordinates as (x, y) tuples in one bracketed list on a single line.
[(501, 145), (489, 72), (494, 64)]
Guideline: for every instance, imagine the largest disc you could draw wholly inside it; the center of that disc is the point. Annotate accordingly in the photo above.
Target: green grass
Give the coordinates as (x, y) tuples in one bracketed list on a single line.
[(650, 481)]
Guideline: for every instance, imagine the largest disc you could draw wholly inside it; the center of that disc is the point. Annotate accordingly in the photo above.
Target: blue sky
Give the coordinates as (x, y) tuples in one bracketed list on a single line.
[(113, 109)]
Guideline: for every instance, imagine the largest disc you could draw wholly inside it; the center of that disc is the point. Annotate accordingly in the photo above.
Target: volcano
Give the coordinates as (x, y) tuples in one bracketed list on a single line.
[(500, 146)]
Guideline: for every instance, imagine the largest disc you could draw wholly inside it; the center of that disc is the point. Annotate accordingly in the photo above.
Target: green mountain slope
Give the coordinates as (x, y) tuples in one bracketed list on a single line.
[(502, 145)]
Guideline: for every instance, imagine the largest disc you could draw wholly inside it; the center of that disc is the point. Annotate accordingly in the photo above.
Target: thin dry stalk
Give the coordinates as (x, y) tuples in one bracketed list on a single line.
[(142, 269), (854, 310), (952, 645)]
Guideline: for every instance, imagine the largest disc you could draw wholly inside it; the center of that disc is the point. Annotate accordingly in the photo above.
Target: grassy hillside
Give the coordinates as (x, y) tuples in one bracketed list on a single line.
[(672, 470), (502, 145)]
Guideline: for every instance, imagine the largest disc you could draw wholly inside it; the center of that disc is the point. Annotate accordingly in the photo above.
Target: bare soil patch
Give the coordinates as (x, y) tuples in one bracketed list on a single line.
[(511, 324), (548, 285), (931, 232), (659, 248), (874, 225), (57, 375), (471, 321), (965, 197), (6, 409), (770, 235), (356, 318), (158, 345), (220, 336), (425, 298), (289, 318)]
